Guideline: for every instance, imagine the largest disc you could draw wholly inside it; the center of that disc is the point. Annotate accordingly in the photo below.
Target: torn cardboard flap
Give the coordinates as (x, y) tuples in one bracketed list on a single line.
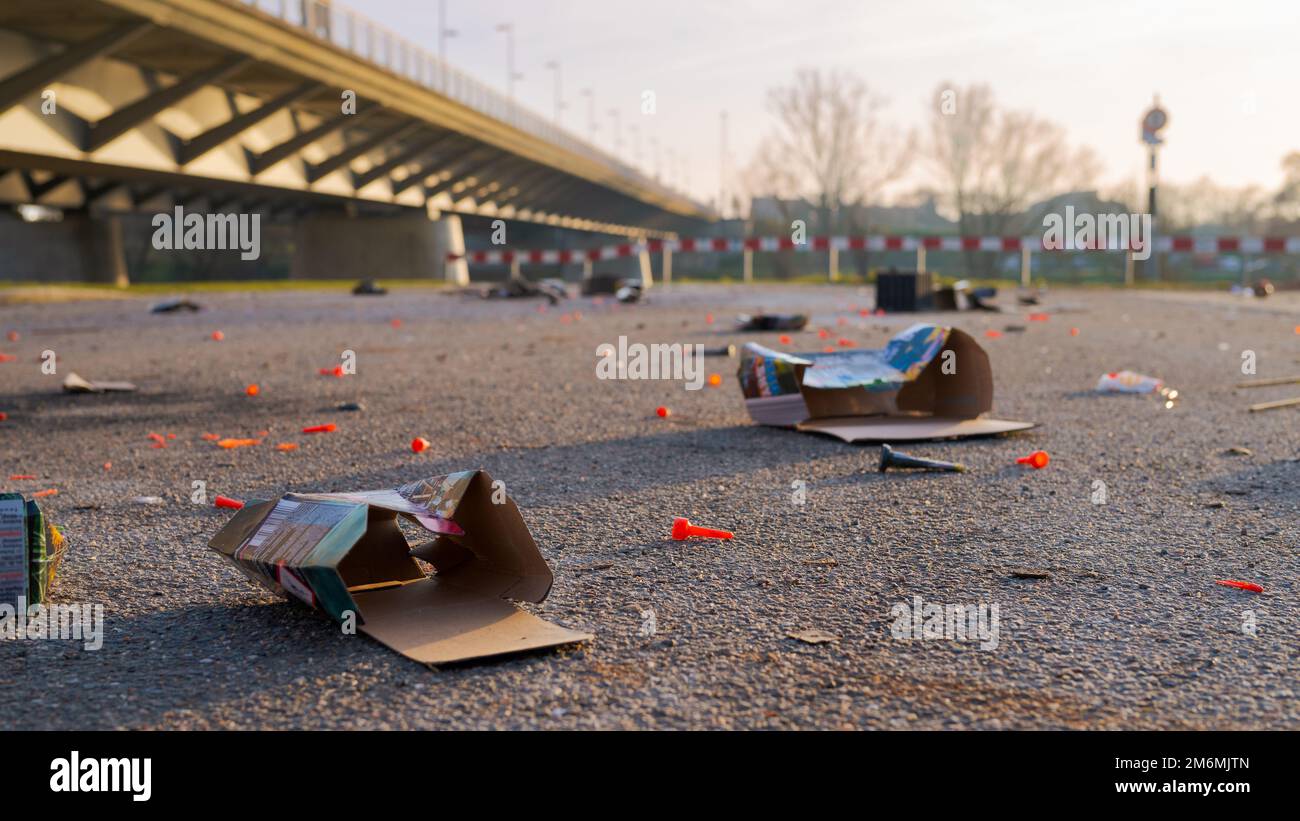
[(75, 384), (344, 552), (928, 382)]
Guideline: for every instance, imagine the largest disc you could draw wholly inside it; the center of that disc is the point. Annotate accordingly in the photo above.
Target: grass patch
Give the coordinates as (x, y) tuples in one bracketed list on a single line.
[(19, 293)]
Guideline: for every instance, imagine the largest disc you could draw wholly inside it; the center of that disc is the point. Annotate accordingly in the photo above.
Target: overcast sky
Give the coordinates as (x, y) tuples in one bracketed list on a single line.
[(1228, 73)]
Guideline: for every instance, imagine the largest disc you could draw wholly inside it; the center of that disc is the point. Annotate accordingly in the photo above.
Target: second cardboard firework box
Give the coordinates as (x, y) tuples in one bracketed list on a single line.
[(928, 382), (344, 554)]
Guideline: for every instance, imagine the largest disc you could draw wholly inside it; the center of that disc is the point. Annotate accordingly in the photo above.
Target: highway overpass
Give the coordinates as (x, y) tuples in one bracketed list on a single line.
[(296, 109)]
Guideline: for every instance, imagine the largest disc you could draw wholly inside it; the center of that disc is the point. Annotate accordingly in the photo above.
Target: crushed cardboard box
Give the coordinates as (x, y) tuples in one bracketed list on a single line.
[(928, 382), (344, 553)]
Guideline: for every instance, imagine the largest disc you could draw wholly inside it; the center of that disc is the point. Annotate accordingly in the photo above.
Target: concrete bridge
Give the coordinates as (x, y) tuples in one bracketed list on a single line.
[(298, 110)]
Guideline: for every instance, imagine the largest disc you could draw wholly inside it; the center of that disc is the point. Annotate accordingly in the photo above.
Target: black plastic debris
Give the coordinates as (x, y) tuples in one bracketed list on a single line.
[(368, 287), (631, 292), (890, 458), (171, 306), (771, 322), (602, 285), (550, 289), (904, 291), (981, 299)]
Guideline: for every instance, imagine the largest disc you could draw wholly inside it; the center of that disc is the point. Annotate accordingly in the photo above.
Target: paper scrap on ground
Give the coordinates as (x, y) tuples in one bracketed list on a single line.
[(813, 636), (1128, 382), (75, 384)]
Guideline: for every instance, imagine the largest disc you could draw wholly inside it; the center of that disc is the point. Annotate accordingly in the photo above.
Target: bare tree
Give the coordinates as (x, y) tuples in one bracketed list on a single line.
[(1127, 192), (992, 164), (1205, 203), (769, 176), (829, 146), (1286, 203)]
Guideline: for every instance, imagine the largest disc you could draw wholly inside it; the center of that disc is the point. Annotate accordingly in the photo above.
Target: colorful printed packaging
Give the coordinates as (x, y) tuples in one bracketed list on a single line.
[(344, 554), (1128, 382), (30, 551), (928, 382)]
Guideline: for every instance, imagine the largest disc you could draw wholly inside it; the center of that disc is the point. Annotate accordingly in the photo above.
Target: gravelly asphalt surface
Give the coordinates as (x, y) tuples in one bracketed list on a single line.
[(1128, 631)]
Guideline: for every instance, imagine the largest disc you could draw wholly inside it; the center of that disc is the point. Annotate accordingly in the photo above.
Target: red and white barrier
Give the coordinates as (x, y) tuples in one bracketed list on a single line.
[(1164, 244)]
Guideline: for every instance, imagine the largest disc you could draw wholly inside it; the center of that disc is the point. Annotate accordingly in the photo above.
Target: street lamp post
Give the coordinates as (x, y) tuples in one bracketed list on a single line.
[(617, 120), (591, 113), (554, 65), (636, 143), (511, 75), (443, 34), (722, 164)]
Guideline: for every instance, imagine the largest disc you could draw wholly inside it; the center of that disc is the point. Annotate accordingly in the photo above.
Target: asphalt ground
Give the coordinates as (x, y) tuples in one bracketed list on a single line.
[(1126, 630)]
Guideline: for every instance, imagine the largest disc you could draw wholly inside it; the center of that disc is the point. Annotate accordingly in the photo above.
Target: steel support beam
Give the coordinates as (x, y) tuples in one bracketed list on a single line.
[(532, 183), (483, 187), (291, 146), (463, 174), (40, 189), (419, 148), (129, 116), (347, 155), (197, 146), (555, 196), (30, 80), (427, 169)]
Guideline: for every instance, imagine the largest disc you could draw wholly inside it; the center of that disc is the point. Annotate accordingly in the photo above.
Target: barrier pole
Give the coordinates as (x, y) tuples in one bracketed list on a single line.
[(1128, 268), (749, 266), (1026, 272), (920, 259), (668, 265), (647, 270), (834, 264)]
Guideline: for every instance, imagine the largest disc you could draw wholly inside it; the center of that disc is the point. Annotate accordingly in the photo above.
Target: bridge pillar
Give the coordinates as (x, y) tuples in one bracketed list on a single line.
[(99, 246), (449, 238), (79, 248), (330, 246)]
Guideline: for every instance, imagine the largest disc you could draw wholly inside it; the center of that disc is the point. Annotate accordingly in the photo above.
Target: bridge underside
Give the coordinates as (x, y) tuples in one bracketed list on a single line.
[(113, 106)]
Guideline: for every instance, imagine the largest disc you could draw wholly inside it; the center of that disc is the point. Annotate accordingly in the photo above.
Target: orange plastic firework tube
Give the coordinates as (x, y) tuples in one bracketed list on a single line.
[(231, 444), (683, 529), (1251, 586), (329, 428), (226, 502), (1036, 460)]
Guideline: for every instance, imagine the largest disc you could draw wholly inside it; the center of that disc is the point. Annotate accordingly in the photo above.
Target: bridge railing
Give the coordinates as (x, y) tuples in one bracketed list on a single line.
[(365, 38)]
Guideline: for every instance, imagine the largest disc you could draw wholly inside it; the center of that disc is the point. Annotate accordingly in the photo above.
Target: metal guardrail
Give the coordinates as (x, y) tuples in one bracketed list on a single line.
[(385, 48)]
